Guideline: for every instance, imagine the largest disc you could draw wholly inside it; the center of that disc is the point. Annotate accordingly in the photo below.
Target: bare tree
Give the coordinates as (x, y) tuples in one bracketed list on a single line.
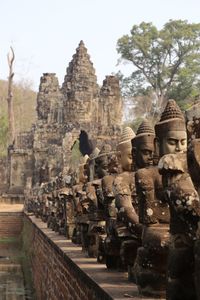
[(11, 121)]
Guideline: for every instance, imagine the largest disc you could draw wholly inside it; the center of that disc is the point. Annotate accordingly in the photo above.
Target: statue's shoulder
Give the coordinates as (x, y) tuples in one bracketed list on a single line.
[(107, 184), (123, 182), (147, 177), (107, 180), (151, 171), (124, 177)]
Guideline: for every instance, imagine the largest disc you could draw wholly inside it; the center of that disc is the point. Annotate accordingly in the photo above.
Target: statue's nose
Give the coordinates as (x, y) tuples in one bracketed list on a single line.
[(150, 155), (178, 146)]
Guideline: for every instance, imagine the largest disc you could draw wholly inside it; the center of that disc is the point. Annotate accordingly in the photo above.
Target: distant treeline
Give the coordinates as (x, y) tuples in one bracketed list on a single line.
[(24, 102)]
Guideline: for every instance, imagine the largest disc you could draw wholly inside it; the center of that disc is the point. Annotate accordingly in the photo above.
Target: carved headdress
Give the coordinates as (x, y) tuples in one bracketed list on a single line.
[(144, 138), (125, 139), (171, 119), (105, 150)]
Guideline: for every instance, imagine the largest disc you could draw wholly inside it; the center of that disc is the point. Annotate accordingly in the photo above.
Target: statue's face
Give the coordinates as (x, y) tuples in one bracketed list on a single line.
[(174, 142), (126, 159), (144, 158), (101, 166), (112, 163)]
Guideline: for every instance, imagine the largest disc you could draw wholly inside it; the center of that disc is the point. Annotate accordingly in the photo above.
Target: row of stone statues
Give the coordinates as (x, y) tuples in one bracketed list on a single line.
[(135, 208)]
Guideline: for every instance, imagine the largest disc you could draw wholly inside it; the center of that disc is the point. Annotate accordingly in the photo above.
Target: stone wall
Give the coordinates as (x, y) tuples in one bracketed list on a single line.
[(11, 224), (55, 275), (15, 271), (61, 270)]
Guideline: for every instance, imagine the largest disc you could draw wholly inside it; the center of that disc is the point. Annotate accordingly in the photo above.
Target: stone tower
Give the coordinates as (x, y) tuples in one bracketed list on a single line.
[(48, 98), (110, 104), (77, 113), (80, 88)]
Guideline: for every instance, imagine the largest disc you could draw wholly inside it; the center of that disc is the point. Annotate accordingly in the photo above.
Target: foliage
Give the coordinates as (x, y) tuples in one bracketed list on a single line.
[(3, 134), (139, 105), (76, 154), (166, 62), (24, 102)]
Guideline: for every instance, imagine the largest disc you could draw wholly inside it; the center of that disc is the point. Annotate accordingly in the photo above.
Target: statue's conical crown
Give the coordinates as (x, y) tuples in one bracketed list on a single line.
[(171, 111), (105, 150), (144, 137), (125, 140), (127, 135), (145, 128), (172, 119)]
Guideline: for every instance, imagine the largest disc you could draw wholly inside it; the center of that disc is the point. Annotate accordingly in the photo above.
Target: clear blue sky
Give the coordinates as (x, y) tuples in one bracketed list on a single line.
[(45, 33)]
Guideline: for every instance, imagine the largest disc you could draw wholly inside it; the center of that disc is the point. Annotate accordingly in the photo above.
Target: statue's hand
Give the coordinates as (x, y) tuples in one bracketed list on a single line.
[(173, 163)]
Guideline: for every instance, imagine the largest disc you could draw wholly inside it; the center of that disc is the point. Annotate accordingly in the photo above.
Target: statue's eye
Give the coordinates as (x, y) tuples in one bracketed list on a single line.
[(183, 142), (171, 141)]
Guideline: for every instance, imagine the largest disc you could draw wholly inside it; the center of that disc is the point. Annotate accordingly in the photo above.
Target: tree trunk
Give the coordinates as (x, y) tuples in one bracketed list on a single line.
[(11, 121)]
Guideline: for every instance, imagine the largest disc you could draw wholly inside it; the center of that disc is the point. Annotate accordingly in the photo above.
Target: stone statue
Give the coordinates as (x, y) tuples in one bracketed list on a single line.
[(80, 207), (80, 216), (193, 134), (151, 262), (96, 228), (108, 203), (67, 222), (91, 164), (142, 153), (183, 202), (184, 208), (143, 146), (124, 191)]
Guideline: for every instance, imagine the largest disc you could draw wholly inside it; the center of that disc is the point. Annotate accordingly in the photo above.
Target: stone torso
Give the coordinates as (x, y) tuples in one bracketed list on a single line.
[(152, 207)]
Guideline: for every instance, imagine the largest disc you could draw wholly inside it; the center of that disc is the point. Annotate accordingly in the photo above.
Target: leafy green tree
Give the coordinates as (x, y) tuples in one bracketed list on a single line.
[(166, 62), (139, 102)]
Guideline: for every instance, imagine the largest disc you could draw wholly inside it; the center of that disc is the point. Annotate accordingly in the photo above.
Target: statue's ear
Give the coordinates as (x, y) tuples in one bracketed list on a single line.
[(119, 155), (133, 152), (157, 146)]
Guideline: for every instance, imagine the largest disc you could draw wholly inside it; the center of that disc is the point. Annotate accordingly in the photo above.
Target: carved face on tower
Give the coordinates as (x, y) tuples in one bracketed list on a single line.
[(143, 145), (171, 130), (125, 149)]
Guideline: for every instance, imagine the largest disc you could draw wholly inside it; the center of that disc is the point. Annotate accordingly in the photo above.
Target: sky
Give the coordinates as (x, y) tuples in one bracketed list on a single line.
[(45, 33)]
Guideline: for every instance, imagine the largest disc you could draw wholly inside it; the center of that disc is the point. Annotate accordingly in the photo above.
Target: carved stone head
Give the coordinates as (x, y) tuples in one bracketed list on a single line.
[(91, 164), (124, 149), (82, 169), (143, 145), (113, 165), (171, 130), (101, 161)]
